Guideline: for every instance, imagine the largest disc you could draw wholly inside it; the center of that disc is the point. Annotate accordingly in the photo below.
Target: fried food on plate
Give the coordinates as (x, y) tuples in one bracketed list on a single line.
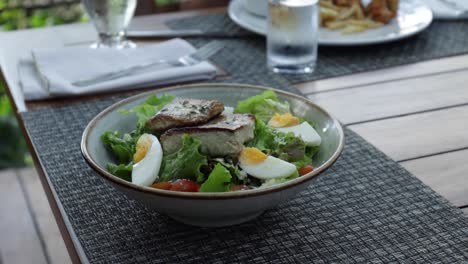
[(351, 16), (382, 10)]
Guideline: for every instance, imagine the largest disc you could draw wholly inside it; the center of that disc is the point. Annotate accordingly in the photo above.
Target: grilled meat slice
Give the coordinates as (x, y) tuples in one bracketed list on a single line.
[(347, 2), (223, 136), (382, 10), (185, 112), (393, 5)]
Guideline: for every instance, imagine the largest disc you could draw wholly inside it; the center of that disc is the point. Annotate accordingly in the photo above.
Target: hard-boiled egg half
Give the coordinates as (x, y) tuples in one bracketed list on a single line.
[(262, 166), (148, 158), (288, 123)]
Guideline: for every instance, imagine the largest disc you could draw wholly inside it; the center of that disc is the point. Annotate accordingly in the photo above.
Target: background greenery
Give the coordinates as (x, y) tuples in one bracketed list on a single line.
[(13, 150)]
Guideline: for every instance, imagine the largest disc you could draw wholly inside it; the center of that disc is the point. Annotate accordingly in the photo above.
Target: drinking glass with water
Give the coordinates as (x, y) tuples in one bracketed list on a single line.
[(111, 19), (292, 36)]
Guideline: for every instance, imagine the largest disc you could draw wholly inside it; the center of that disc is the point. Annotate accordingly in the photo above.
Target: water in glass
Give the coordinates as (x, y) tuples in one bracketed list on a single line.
[(111, 19), (292, 36)]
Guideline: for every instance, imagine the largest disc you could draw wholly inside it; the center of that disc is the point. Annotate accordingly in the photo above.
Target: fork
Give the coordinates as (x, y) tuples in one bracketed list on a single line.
[(198, 56)]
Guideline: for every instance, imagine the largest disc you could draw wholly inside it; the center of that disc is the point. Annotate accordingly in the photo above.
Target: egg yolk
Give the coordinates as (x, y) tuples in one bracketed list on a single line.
[(285, 120), (251, 156), (143, 145)]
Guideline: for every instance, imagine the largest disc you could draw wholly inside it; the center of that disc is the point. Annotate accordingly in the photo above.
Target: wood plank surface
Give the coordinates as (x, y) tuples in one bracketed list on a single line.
[(54, 245), (424, 68), (418, 135), (395, 98), (19, 242), (447, 174), (431, 143)]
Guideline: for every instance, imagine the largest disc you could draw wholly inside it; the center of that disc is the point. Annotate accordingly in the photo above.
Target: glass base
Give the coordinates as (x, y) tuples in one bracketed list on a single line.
[(113, 41), (292, 69), (126, 44)]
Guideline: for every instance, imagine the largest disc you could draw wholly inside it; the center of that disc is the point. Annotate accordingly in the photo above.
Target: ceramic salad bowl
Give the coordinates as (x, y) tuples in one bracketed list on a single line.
[(212, 209)]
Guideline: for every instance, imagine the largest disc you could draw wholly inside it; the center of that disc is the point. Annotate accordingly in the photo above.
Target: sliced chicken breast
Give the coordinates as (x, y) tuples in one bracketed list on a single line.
[(185, 112), (223, 136)]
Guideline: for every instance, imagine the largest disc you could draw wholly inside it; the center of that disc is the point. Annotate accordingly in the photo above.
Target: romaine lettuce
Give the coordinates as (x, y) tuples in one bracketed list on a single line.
[(238, 176), (218, 180), (271, 182), (285, 146), (148, 109), (185, 163), (122, 171), (310, 151), (263, 106), (122, 147)]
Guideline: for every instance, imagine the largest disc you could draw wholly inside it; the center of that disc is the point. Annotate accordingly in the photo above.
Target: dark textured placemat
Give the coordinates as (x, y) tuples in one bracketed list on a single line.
[(441, 39), (366, 209)]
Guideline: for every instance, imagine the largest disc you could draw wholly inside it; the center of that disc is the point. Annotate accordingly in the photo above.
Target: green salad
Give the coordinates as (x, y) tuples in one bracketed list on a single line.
[(194, 145)]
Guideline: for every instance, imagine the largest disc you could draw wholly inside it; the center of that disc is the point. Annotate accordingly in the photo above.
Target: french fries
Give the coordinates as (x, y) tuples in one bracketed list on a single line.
[(327, 14), (350, 16)]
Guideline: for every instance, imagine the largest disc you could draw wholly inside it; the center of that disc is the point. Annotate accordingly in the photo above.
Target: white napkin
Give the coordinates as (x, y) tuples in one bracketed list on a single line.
[(49, 73), (445, 11)]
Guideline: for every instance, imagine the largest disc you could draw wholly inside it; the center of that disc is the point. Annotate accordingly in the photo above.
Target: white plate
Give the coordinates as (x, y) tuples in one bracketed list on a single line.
[(413, 17)]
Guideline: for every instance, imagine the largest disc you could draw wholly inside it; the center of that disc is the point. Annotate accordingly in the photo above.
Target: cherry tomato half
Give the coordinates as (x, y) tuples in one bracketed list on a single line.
[(185, 186), (305, 169), (162, 185)]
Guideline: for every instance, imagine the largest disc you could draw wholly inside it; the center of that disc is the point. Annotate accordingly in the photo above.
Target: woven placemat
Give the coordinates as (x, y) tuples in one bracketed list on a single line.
[(441, 39), (366, 209)]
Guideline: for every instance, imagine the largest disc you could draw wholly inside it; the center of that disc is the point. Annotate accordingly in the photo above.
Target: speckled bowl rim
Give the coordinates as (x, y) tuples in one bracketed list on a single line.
[(199, 195)]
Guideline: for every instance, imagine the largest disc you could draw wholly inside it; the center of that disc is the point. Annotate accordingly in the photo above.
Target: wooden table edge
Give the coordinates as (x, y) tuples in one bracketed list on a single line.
[(73, 246)]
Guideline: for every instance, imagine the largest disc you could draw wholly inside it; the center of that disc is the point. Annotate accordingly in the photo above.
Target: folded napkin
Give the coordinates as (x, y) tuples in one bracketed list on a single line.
[(50, 73), (446, 11)]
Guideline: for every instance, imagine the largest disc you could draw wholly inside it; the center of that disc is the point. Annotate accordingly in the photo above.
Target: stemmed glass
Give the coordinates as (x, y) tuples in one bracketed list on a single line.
[(111, 19)]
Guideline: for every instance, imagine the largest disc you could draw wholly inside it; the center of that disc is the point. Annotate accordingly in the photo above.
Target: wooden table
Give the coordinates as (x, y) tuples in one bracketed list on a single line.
[(417, 114)]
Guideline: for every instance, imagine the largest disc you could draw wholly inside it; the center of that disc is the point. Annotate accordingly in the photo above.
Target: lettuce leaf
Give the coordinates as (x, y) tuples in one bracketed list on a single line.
[(271, 182), (285, 146), (218, 180), (122, 147), (148, 109), (122, 171), (263, 105), (238, 176), (310, 151), (185, 163)]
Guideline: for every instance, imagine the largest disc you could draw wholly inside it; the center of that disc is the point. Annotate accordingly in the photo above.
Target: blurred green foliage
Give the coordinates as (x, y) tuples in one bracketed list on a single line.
[(18, 18), (166, 2), (13, 150)]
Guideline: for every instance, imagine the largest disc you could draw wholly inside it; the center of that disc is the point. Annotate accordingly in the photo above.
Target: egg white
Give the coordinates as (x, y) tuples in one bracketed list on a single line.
[(146, 171), (270, 168), (304, 131)]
